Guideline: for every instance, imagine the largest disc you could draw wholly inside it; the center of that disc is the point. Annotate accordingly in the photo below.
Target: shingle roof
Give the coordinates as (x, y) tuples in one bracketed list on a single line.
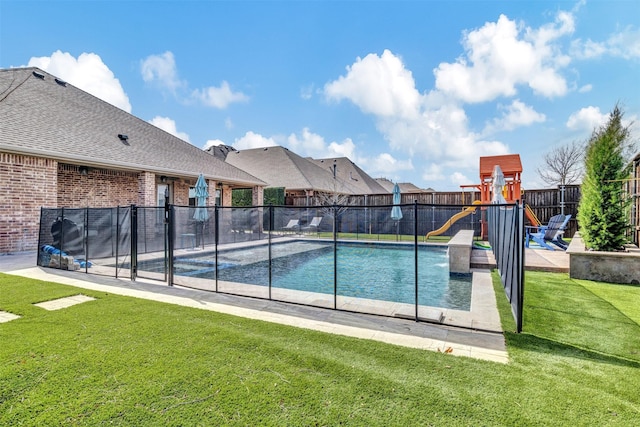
[(280, 167), (509, 163), (405, 187), (43, 116), (349, 172)]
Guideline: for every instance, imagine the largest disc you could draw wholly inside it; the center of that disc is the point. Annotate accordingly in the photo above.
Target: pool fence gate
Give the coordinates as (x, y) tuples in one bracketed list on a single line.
[(242, 250)]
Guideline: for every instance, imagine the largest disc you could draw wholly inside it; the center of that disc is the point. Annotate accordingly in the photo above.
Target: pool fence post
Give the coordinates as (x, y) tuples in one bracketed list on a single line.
[(170, 240), (270, 227), (335, 257), (133, 271), (85, 238), (415, 238), (216, 230), (519, 236)]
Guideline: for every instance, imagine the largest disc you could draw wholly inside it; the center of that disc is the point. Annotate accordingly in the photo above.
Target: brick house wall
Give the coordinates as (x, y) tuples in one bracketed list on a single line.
[(26, 184), (99, 188), (29, 183)]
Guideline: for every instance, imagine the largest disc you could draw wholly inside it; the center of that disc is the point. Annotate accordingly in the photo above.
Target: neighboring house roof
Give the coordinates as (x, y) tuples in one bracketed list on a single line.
[(405, 187), (349, 172), (41, 115), (280, 167)]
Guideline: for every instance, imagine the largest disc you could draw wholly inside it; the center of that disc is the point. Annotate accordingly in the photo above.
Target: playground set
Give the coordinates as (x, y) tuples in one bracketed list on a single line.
[(511, 168)]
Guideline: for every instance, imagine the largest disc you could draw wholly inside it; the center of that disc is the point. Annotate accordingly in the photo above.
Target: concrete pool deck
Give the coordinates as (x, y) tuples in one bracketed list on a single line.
[(476, 343)]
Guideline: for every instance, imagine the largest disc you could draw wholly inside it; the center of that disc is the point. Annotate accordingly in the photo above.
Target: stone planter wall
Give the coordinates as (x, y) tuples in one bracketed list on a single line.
[(609, 267)]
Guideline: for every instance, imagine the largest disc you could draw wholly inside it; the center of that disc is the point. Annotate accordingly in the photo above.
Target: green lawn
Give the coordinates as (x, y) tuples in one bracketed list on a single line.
[(125, 361)]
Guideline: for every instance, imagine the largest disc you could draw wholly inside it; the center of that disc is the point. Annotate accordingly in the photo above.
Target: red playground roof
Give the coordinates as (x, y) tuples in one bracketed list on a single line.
[(509, 163)]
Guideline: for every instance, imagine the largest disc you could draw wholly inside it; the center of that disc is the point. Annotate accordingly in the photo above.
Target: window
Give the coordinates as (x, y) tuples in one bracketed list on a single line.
[(192, 196)]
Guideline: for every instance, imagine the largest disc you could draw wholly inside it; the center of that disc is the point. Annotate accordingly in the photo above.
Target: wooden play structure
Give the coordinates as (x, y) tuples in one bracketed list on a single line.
[(512, 192)]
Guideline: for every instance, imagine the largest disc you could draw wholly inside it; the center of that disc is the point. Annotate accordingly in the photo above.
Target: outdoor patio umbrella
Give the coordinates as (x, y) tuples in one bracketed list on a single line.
[(201, 214), (396, 211), (498, 183)]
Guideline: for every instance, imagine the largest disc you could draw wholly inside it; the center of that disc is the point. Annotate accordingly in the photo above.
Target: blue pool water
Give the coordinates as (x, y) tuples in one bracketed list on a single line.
[(374, 271)]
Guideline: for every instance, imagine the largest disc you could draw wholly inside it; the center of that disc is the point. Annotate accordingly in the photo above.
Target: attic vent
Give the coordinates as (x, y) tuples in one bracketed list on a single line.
[(265, 149), (61, 82), (38, 75), (124, 138)]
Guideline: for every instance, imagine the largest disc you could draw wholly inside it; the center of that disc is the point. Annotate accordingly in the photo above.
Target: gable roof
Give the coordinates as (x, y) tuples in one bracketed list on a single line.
[(41, 115), (509, 163), (280, 167), (405, 187), (349, 172)]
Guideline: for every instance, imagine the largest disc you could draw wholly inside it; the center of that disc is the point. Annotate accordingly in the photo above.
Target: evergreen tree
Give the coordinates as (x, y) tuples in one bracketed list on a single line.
[(603, 209)]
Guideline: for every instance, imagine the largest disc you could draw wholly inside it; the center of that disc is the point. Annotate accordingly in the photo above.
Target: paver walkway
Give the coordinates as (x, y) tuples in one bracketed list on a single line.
[(5, 316), (60, 303)]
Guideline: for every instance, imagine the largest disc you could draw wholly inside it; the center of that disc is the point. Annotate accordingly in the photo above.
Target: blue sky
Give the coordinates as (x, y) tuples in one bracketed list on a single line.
[(414, 91)]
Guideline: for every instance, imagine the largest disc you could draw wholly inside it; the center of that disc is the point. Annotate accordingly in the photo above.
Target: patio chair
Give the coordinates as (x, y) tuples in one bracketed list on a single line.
[(313, 225), (292, 225), (550, 233)]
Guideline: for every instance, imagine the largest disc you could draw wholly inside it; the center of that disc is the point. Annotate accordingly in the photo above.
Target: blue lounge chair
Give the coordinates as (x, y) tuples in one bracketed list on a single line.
[(550, 233)]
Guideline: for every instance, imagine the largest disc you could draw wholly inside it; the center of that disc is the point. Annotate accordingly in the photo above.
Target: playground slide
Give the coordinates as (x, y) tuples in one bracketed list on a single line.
[(445, 227), (533, 219)]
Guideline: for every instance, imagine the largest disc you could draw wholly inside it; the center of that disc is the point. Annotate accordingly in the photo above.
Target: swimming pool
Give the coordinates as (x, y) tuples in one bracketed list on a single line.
[(374, 271)]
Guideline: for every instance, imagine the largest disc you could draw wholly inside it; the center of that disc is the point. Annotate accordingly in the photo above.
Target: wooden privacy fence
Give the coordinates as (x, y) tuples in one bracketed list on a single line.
[(544, 203)]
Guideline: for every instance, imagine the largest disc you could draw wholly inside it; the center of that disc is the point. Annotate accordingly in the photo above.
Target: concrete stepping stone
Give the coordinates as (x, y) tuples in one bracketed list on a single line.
[(5, 316), (59, 303)]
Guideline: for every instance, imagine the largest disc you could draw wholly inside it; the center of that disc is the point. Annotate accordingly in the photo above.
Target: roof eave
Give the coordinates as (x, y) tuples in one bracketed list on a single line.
[(124, 166)]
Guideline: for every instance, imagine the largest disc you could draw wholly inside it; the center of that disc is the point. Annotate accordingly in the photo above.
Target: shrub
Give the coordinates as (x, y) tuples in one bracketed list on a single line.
[(603, 208)]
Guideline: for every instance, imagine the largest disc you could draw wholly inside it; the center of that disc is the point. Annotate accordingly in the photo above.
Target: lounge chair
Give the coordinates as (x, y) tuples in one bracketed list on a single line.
[(313, 225), (292, 225), (550, 233)]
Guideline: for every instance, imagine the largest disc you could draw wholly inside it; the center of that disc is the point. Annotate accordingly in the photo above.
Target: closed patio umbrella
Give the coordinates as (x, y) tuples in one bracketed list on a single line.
[(201, 193), (498, 183), (396, 211)]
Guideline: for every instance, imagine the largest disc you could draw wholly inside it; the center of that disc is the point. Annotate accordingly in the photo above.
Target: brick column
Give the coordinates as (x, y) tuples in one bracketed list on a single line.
[(146, 189), (257, 198)]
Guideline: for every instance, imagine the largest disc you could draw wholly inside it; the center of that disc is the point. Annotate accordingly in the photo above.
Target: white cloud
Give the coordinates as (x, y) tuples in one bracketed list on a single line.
[(161, 69), (624, 44), (228, 123), (516, 115), (589, 118), (219, 97), (344, 149), (503, 55), (169, 125), (88, 73), (586, 88), (253, 140), (458, 179), (306, 92), (587, 49), (385, 164), (433, 172), (308, 144), (586, 119), (379, 85), (212, 142), (429, 126)]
